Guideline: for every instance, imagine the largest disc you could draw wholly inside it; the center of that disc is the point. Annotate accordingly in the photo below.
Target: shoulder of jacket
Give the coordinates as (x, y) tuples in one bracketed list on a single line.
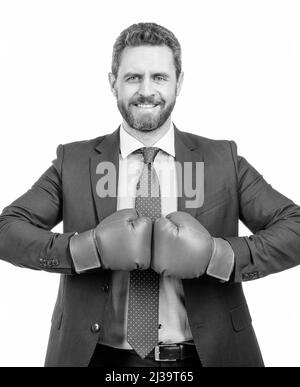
[(200, 141), (84, 145)]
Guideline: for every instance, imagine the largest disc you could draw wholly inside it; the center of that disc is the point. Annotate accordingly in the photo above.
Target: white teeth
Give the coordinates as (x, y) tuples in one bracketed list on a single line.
[(146, 106)]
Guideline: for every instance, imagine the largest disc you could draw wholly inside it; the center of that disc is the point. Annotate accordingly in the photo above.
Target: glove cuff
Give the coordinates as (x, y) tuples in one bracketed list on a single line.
[(222, 260), (84, 252)]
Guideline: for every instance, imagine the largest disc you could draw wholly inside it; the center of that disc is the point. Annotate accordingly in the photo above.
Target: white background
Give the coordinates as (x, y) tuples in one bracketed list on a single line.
[(242, 82)]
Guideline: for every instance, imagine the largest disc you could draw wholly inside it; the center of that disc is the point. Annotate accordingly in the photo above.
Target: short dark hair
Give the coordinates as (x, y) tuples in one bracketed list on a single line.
[(146, 34)]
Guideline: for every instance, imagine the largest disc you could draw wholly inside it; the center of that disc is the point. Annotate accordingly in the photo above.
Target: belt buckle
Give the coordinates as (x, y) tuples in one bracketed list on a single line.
[(157, 353)]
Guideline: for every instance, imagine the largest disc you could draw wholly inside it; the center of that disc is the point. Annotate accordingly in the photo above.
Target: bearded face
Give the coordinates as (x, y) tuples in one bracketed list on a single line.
[(146, 87), (146, 113)]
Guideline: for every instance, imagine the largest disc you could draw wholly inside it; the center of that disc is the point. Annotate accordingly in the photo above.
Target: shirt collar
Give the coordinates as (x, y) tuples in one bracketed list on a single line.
[(129, 144)]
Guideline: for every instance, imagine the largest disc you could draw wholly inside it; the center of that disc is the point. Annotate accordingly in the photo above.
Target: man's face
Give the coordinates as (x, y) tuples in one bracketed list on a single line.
[(146, 87)]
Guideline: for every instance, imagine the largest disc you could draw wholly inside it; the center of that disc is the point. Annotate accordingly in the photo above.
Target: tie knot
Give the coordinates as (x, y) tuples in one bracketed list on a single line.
[(149, 153)]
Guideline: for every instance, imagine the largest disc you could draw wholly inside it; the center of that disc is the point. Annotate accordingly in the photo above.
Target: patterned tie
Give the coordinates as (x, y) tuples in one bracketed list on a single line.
[(143, 304)]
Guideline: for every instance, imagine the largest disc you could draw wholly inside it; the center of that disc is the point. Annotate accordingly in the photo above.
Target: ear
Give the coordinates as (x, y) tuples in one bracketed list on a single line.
[(179, 83), (112, 80)]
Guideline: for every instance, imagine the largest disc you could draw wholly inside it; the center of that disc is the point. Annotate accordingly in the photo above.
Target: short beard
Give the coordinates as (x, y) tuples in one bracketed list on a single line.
[(148, 124)]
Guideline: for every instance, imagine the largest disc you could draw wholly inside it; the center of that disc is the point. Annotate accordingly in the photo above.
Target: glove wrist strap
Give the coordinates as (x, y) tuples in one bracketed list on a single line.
[(84, 252)]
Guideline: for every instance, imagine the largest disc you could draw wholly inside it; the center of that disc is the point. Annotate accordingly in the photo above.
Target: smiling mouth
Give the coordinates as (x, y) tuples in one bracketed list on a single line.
[(145, 106)]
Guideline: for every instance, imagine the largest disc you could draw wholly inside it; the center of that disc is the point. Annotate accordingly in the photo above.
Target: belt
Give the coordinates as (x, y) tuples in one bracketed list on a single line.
[(172, 352)]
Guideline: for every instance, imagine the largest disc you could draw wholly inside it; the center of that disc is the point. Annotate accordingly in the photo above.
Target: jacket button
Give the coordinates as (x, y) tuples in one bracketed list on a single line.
[(95, 328), (105, 288)]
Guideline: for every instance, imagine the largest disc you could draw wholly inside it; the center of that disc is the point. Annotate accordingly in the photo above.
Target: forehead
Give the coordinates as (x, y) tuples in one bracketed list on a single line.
[(147, 58)]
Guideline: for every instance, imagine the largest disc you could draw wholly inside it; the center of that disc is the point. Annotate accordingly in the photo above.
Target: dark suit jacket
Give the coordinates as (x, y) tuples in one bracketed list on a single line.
[(218, 314)]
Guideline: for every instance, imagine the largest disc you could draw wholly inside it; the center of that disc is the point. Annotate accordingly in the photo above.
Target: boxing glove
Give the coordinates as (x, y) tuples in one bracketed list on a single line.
[(182, 247), (122, 241)]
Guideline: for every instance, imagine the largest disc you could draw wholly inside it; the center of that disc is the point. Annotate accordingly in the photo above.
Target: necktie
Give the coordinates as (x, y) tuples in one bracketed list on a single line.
[(143, 303)]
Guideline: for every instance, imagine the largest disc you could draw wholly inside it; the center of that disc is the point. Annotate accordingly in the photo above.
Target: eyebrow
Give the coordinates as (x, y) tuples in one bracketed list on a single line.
[(161, 74)]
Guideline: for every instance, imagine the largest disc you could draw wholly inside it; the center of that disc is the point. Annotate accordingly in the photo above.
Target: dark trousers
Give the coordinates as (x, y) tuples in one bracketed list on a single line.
[(105, 356)]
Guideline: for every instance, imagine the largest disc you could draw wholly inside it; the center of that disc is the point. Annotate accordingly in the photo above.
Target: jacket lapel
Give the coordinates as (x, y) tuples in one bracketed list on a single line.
[(190, 174), (104, 173)]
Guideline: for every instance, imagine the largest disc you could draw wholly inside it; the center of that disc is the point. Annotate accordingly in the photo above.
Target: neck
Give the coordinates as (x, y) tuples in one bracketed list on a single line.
[(148, 138)]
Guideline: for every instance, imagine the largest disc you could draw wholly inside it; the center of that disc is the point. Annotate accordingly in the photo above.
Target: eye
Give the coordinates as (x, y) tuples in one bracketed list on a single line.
[(160, 78), (132, 78)]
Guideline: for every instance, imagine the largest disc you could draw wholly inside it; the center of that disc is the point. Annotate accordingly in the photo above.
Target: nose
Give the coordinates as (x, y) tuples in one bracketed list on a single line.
[(146, 89)]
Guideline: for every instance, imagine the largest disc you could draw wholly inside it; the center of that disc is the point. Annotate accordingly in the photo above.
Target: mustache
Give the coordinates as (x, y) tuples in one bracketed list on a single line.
[(147, 100)]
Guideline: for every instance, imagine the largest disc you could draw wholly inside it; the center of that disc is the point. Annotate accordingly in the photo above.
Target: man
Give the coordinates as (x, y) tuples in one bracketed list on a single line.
[(151, 262)]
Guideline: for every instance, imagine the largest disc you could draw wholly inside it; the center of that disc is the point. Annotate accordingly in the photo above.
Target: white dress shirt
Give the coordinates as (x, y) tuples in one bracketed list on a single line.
[(174, 325)]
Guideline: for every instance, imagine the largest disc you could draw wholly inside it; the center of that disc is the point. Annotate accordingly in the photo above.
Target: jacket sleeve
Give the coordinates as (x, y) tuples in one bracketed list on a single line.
[(25, 236), (274, 221)]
